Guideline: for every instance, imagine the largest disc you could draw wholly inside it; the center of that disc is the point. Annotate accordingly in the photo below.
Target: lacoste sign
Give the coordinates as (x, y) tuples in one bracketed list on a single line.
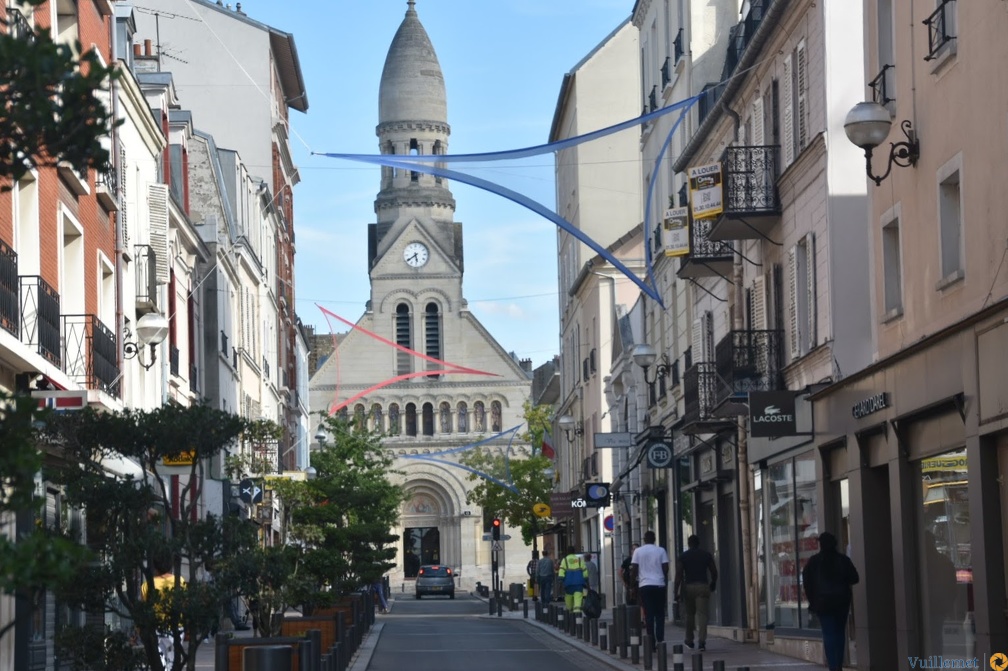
[(771, 414)]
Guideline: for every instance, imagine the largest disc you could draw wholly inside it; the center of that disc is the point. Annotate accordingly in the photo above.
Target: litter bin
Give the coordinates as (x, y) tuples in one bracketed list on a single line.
[(268, 658)]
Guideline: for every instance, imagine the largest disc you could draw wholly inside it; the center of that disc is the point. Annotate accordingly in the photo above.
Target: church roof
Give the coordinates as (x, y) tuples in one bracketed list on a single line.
[(412, 87)]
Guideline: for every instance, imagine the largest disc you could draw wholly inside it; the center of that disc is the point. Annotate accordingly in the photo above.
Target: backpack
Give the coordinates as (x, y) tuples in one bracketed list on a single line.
[(832, 591), (591, 605)]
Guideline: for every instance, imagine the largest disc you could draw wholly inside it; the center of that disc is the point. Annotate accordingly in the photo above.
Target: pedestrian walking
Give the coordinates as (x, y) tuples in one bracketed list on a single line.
[(629, 584), (695, 578), (592, 574), (574, 576), (827, 578), (649, 568), (545, 575)]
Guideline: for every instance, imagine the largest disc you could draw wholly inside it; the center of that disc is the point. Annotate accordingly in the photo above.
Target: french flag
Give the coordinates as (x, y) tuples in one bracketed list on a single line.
[(547, 446)]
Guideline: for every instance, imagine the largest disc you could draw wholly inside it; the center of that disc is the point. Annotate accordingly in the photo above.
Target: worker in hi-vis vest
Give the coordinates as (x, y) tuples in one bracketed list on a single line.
[(574, 575)]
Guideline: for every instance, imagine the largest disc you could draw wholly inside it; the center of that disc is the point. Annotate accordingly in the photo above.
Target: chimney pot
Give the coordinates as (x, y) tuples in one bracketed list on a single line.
[(136, 49), (147, 48)]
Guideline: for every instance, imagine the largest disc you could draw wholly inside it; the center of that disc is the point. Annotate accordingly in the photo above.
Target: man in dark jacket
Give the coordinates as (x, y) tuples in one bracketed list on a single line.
[(827, 578)]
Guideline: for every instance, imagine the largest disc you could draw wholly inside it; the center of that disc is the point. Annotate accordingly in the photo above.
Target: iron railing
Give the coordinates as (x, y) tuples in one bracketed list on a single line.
[(107, 178), (10, 307), (223, 343), (653, 99), (880, 86), (146, 277), (193, 378), (699, 392), (748, 361), (173, 360), (702, 247), (40, 317), (938, 29), (666, 72), (90, 353), (677, 46), (739, 38), (18, 26), (750, 179)]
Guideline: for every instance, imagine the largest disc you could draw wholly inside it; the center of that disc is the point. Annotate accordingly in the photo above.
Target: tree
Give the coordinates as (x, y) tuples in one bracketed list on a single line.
[(134, 522), (528, 476), (40, 557), (50, 110)]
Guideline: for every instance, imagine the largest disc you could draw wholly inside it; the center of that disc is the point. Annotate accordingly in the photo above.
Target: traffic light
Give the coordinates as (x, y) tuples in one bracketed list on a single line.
[(495, 528)]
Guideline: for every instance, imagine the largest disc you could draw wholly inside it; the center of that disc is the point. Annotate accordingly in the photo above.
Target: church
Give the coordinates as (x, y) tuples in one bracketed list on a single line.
[(416, 263)]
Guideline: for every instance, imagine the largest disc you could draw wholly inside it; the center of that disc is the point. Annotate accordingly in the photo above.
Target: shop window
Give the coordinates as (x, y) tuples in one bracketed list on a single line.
[(944, 556)]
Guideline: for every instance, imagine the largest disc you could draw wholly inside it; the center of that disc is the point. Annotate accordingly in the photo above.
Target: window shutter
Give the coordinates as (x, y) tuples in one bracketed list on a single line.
[(757, 123), (802, 92), (811, 267), (787, 132), (793, 303), (758, 303), (122, 200), (157, 200), (698, 340)]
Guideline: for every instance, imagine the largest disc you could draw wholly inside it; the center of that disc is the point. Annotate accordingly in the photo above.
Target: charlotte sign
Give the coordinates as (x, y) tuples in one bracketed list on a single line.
[(772, 414)]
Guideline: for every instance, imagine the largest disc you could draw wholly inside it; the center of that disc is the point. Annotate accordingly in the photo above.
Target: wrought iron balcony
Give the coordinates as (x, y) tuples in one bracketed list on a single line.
[(40, 317), (666, 72), (91, 353), (105, 189), (10, 305), (146, 278), (194, 386), (700, 385), (653, 99), (18, 26), (746, 361), (706, 258), (677, 46), (880, 86), (749, 193), (173, 360), (939, 29)]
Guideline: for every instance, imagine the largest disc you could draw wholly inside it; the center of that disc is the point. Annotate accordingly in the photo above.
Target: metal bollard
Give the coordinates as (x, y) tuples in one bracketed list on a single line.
[(697, 661), (268, 658), (561, 615), (539, 611), (663, 658), (647, 653), (621, 631), (525, 608), (589, 628), (635, 646), (500, 606), (603, 636), (491, 602), (677, 654), (612, 638), (719, 665), (579, 626), (595, 632)]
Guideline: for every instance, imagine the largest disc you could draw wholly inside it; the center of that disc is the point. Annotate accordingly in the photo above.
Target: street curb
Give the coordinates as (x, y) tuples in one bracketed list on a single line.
[(595, 653), (363, 655)]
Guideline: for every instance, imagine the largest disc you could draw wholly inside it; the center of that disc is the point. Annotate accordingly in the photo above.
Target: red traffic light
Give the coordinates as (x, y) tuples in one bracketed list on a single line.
[(496, 522), (495, 529)]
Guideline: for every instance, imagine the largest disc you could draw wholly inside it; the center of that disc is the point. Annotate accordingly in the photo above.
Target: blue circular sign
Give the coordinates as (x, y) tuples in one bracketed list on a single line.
[(608, 523)]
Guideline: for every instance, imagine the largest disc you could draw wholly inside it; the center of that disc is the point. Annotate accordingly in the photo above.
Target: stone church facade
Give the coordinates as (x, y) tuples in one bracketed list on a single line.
[(415, 255)]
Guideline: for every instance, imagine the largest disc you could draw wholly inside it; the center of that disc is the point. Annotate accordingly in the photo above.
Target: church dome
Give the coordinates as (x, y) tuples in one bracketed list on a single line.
[(412, 87)]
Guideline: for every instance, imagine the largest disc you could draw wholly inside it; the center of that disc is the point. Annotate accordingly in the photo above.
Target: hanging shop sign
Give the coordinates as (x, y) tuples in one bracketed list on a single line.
[(659, 455), (561, 504), (772, 414), (675, 231), (870, 405), (705, 191), (597, 494)]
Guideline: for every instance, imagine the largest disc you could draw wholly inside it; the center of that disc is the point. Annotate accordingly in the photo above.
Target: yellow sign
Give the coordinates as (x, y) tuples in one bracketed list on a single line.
[(999, 661), (187, 458), (542, 510), (955, 464)]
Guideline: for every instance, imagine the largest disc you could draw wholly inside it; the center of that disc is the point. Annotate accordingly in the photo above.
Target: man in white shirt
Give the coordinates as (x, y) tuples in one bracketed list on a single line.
[(649, 567)]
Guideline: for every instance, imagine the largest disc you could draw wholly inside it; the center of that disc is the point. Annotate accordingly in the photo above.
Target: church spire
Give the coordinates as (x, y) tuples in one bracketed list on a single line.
[(412, 7)]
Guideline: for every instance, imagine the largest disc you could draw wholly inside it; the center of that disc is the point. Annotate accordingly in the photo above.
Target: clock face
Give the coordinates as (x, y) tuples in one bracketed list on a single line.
[(415, 254)]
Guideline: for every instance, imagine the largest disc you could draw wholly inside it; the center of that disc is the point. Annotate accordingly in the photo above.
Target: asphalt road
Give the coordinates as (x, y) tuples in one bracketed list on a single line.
[(439, 634)]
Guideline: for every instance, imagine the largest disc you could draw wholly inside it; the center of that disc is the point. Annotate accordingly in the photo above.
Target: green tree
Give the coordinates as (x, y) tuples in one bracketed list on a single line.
[(528, 476), (50, 110), (132, 523), (38, 557)]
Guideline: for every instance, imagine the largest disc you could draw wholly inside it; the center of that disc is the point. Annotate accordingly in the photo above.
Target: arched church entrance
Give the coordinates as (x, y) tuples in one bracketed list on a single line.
[(429, 525)]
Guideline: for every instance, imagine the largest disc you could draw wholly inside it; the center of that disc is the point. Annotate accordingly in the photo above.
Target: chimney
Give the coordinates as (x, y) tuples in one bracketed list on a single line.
[(147, 48), (136, 49)]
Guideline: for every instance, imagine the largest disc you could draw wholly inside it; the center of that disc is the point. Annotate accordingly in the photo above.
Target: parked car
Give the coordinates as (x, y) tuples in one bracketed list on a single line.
[(435, 579)]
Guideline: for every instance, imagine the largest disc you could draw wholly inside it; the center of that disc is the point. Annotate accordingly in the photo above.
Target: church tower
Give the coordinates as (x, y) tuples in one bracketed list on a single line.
[(415, 263)]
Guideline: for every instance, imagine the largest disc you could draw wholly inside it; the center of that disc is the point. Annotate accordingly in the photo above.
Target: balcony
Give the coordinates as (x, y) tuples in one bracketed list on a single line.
[(91, 353), (173, 360), (146, 278), (105, 189), (10, 306), (700, 384), (746, 361), (677, 46), (194, 386), (939, 26), (880, 85), (40, 317), (18, 26), (749, 194), (653, 99), (666, 72), (706, 258)]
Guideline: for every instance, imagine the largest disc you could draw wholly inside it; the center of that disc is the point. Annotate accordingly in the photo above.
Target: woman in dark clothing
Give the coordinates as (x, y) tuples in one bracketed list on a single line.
[(827, 578)]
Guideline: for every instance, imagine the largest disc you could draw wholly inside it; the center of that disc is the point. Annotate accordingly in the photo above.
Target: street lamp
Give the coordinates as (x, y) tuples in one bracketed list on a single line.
[(644, 355), (569, 426), (321, 436), (151, 329), (867, 126)]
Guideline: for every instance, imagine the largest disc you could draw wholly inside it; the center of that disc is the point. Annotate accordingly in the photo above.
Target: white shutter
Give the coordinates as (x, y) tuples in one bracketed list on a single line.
[(698, 340), (802, 92), (793, 303), (758, 304), (122, 200), (157, 202), (757, 122), (811, 268), (787, 125)]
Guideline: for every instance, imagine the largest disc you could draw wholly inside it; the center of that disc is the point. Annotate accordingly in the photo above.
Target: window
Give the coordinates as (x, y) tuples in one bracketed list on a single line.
[(26, 231), (377, 421), (65, 21), (428, 419), (71, 282), (360, 424), (892, 269), (414, 151), (463, 418), (941, 30), (884, 86), (495, 416), (106, 291), (404, 338), (393, 420), (803, 297), (411, 419), (432, 335), (950, 225), (479, 416)]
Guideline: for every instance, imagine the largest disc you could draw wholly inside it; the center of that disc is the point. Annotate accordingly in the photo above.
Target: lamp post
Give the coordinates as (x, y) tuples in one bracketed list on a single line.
[(867, 126), (151, 330)]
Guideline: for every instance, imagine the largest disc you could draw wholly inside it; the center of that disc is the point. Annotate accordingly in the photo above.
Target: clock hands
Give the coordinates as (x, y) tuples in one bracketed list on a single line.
[(414, 257)]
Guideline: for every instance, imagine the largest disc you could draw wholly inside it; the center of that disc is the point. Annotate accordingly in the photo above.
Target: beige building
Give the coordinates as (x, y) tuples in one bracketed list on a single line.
[(415, 256), (917, 439)]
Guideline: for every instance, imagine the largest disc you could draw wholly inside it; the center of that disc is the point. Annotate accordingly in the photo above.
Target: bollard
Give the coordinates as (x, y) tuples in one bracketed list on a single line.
[(635, 646), (525, 608), (538, 611), (578, 625), (662, 653), (612, 638), (647, 653), (603, 636), (589, 628), (491, 602), (621, 630), (268, 658), (719, 665), (561, 615), (595, 631), (500, 607), (677, 654), (697, 661)]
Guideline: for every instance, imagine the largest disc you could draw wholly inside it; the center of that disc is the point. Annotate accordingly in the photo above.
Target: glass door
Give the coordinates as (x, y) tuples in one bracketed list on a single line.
[(421, 546)]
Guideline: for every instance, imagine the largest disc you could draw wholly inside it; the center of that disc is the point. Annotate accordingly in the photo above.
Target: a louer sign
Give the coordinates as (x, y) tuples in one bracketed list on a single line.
[(772, 414)]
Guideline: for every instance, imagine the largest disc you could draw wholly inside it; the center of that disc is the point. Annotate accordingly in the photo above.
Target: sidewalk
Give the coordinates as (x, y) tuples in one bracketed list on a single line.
[(734, 654)]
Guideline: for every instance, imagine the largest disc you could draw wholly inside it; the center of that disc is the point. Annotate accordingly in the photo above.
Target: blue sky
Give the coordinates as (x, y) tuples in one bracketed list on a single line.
[(503, 64)]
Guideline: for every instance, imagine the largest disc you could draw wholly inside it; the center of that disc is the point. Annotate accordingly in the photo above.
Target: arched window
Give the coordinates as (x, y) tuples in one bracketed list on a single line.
[(479, 416), (432, 335), (403, 337), (437, 150), (411, 419), (414, 149), (463, 418), (377, 420), (428, 419), (495, 416), (393, 420), (446, 417), (343, 413), (359, 418)]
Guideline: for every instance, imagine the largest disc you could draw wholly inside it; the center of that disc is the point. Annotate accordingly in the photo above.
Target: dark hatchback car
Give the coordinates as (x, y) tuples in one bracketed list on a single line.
[(435, 579)]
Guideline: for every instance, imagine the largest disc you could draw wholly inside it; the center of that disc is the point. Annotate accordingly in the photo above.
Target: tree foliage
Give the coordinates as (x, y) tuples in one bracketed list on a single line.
[(136, 523), (528, 476), (50, 108)]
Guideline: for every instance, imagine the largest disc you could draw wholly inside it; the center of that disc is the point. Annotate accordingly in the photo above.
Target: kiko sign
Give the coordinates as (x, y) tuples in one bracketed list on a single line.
[(771, 414)]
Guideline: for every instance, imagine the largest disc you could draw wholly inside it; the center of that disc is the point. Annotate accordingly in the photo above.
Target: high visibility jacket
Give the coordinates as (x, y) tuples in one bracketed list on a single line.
[(573, 571)]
